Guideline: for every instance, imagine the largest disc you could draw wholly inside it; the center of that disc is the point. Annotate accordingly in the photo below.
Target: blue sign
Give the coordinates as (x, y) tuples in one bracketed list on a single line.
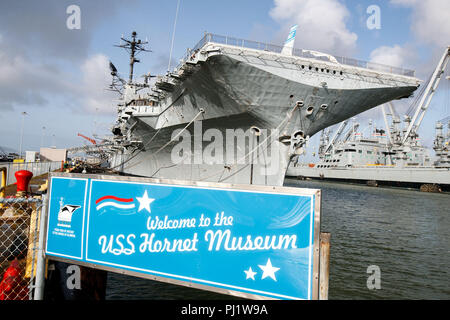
[(249, 240), (68, 212)]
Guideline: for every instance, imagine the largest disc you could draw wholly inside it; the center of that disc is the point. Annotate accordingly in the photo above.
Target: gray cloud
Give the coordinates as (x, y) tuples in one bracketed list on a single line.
[(43, 60), (38, 28)]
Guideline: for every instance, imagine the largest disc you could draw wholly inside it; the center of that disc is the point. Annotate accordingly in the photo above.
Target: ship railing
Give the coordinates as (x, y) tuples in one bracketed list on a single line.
[(250, 44)]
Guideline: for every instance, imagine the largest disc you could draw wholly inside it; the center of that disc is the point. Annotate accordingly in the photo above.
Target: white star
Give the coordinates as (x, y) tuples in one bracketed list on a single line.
[(144, 202), (268, 270), (250, 274)]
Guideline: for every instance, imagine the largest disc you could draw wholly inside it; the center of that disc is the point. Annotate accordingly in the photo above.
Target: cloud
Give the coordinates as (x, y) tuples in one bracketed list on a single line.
[(321, 24), (96, 78), (31, 84), (430, 20), (38, 28), (23, 82), (430, 26), (44, 63), (395, 56)]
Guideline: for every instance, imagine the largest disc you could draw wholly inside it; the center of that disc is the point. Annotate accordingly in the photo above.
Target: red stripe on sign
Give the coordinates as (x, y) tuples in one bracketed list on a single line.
[(114, 198)]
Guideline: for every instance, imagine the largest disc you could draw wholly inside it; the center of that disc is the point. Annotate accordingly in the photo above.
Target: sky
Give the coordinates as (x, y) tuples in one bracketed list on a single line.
[(59, 76)]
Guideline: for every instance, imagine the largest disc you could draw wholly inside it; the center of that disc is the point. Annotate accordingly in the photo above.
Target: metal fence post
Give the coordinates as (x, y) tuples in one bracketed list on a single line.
[(40, 263)]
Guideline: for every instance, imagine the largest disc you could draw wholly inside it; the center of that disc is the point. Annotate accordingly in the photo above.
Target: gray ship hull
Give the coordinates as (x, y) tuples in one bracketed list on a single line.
[(197, 156), (418, 175)]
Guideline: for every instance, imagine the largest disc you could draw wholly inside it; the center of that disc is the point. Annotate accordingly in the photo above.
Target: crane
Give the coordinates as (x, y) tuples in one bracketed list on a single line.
[(351, 131), (386, 123), (87, 138), (427, 95), (336, 135)]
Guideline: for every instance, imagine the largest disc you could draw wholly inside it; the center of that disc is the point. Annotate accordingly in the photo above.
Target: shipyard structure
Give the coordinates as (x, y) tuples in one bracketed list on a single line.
[(392, 155)]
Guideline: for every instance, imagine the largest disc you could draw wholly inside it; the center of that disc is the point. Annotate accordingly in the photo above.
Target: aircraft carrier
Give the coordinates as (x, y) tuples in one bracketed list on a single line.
[(237, 111)]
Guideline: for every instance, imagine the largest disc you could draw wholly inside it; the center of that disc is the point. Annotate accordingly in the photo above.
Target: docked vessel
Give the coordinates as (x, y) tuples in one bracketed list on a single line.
[(237, 111), (392, 156), (372, 160)]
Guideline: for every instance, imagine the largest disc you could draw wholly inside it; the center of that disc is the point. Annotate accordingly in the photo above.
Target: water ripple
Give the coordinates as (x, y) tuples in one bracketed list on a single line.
[(403, 232)]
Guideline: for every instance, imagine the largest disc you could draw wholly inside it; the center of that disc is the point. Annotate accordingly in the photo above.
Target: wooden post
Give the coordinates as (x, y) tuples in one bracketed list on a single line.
[(324, 265)]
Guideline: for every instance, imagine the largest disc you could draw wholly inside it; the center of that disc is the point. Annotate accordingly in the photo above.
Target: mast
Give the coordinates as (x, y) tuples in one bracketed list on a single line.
[(133, 46)]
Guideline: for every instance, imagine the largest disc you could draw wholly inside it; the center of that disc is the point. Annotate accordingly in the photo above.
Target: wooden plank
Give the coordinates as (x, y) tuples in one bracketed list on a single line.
[(324, 267)]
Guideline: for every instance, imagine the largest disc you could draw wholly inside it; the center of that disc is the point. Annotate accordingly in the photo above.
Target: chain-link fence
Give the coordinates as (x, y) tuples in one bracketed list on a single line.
[(19, 223)]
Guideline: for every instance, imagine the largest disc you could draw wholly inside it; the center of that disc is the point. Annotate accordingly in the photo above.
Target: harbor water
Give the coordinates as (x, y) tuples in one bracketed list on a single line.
[(404, 233)]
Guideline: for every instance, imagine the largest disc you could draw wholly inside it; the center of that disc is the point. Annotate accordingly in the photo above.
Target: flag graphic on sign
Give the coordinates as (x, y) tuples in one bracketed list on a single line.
[(113, 201)]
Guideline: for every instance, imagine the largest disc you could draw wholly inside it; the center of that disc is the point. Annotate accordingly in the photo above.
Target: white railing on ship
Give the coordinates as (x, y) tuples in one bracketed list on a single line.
[(209, 37)]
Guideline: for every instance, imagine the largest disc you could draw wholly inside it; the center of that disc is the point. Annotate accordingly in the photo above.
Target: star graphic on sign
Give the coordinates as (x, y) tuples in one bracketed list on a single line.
[(268, 270), (250, 274), (144, 202)]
